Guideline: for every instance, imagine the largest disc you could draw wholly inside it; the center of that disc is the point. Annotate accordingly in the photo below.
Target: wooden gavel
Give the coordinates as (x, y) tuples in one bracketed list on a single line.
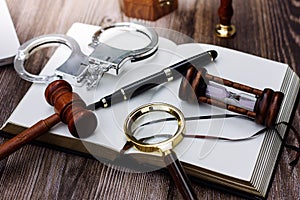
[(196, 85), (69, 108)]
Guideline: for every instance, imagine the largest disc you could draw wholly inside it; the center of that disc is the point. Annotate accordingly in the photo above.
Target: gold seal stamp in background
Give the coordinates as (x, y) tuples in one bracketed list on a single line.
[(225, 29)]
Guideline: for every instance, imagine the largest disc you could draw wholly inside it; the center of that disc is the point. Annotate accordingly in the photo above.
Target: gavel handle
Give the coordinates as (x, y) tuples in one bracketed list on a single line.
[(179, 176), (28, 135)]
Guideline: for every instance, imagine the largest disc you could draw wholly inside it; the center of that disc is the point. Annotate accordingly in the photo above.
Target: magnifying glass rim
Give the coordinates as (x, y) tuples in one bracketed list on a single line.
[(160, 146)]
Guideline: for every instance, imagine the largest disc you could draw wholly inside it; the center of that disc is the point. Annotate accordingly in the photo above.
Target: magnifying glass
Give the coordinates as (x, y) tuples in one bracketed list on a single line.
[(155, 137)]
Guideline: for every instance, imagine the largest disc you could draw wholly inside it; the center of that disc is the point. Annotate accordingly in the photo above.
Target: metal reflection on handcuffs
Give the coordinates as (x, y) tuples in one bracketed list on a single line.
[(80, 69), (164, 146)]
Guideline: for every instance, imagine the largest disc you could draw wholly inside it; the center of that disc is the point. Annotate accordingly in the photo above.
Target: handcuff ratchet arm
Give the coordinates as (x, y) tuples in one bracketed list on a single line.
[(27, 49)]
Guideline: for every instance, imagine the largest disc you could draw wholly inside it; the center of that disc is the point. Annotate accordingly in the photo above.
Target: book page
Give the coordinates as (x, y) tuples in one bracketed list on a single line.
[(236, 159)]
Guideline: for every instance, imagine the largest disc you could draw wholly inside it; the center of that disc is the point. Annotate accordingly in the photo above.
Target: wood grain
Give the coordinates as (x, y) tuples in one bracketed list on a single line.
[(270, 29)]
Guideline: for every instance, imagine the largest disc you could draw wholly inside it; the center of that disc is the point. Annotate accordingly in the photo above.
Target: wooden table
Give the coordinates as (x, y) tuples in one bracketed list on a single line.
[(270, 29)]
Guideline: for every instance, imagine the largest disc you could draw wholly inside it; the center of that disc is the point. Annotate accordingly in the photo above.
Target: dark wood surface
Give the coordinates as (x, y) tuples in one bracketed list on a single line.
[(270, 29)]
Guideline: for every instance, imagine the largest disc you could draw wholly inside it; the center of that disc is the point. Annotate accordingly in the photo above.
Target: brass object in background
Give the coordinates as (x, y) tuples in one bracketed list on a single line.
[(148, 9), (225, 29)]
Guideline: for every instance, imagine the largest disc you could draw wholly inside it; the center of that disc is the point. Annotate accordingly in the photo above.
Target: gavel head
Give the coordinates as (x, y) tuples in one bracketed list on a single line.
[(71, 109)]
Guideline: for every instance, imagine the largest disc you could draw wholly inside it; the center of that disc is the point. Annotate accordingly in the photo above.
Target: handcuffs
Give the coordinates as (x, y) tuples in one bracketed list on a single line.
[(80, 69)]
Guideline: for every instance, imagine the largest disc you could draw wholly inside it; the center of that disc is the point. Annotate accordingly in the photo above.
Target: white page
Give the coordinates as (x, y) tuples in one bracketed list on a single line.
[(236, 159)]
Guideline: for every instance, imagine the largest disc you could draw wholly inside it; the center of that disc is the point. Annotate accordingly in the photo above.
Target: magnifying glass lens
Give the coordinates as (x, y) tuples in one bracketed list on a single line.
[(154, 127), (159, 127)]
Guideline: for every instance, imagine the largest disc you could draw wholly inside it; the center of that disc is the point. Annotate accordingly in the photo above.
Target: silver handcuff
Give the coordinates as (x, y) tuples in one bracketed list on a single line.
[(80, 69)]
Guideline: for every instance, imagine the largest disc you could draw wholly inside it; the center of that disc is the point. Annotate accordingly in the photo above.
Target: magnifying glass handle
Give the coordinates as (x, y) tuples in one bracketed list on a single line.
[(179, 176)]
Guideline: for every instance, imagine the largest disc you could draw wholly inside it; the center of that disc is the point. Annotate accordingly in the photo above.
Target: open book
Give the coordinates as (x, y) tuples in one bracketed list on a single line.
[(244, 167)]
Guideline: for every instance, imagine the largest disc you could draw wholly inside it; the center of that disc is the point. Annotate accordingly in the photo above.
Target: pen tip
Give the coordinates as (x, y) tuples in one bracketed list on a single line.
[(213, 54)]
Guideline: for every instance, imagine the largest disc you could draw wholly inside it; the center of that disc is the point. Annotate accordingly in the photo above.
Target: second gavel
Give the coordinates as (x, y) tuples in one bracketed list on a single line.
[(69, 108), (261, 105)]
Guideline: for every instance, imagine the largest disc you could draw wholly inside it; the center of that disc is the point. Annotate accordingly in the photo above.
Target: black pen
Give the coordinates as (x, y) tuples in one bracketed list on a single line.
[(168, 74)]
